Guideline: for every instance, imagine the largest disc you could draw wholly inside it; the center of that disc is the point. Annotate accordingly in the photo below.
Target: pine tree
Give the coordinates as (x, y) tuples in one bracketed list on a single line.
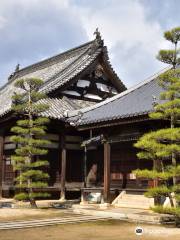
[(30, 128), (164, 144)]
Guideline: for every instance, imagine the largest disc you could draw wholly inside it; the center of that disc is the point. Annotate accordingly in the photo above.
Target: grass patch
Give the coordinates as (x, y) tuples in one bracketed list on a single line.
[(167, 210), (175, 211)]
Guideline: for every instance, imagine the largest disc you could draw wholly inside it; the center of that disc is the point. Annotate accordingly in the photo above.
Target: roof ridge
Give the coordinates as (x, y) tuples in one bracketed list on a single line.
[(44, 62), (64, 70), (122, 94), (107, 61), (3, 86), (50, 59)]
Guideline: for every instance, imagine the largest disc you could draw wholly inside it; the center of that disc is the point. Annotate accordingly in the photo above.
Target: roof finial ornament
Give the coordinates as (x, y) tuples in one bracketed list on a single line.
[(11, 76), (17, 68), (97, 33), (98, 39)]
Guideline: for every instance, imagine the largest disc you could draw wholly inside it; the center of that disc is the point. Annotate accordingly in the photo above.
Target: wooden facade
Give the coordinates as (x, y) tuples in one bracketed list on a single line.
[(78, 85), (115, 158)]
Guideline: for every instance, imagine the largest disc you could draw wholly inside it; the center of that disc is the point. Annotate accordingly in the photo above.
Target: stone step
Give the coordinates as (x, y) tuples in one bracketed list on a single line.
[(134, 201), (49, 222), (133, 206), (134, 196)]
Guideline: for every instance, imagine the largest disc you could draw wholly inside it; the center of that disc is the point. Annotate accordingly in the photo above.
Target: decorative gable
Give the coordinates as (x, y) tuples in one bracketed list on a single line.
[(93, 86)]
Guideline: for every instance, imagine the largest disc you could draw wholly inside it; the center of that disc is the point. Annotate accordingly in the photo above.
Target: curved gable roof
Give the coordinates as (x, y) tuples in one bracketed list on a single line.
[(56, 71)]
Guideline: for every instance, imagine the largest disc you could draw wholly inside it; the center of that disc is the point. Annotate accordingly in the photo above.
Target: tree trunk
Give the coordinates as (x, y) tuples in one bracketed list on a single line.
[(173, 156), (31, 199), (30, 189)]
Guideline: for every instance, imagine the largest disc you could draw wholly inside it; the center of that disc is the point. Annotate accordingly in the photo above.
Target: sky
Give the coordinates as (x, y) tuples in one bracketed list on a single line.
[(32, 30)]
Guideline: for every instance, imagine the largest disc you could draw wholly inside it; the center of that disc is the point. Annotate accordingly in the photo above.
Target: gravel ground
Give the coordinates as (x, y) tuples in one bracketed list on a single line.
[(110, 230), (24, 214)]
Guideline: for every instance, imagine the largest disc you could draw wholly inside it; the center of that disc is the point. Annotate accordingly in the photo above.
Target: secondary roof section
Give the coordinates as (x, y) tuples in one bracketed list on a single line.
[(136, 101)]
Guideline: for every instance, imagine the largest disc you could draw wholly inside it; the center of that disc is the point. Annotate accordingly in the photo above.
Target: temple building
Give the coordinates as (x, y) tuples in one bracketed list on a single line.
[(94, 123)]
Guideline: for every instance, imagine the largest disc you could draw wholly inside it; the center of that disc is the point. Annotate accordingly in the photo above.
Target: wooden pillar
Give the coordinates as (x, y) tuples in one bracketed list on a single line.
[(107, 157), (1, 164), (63, 167), (85, 166)]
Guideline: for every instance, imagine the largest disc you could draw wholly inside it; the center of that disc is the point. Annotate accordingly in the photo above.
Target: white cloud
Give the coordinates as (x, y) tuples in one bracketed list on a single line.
[(33, 29), (133, 41), (2, 22)]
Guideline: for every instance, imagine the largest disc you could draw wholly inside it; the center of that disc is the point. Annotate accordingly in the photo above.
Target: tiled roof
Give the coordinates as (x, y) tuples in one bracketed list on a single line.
[(57, 107), (55, 71), (48, 68), (62, 77), (82, 103), (135, 101)]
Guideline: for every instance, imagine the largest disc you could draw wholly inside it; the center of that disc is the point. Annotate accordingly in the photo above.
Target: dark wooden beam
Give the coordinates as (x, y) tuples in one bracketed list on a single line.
[(110, 123), (85, 166), (1, 164), (63, 167), (107, 157)]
